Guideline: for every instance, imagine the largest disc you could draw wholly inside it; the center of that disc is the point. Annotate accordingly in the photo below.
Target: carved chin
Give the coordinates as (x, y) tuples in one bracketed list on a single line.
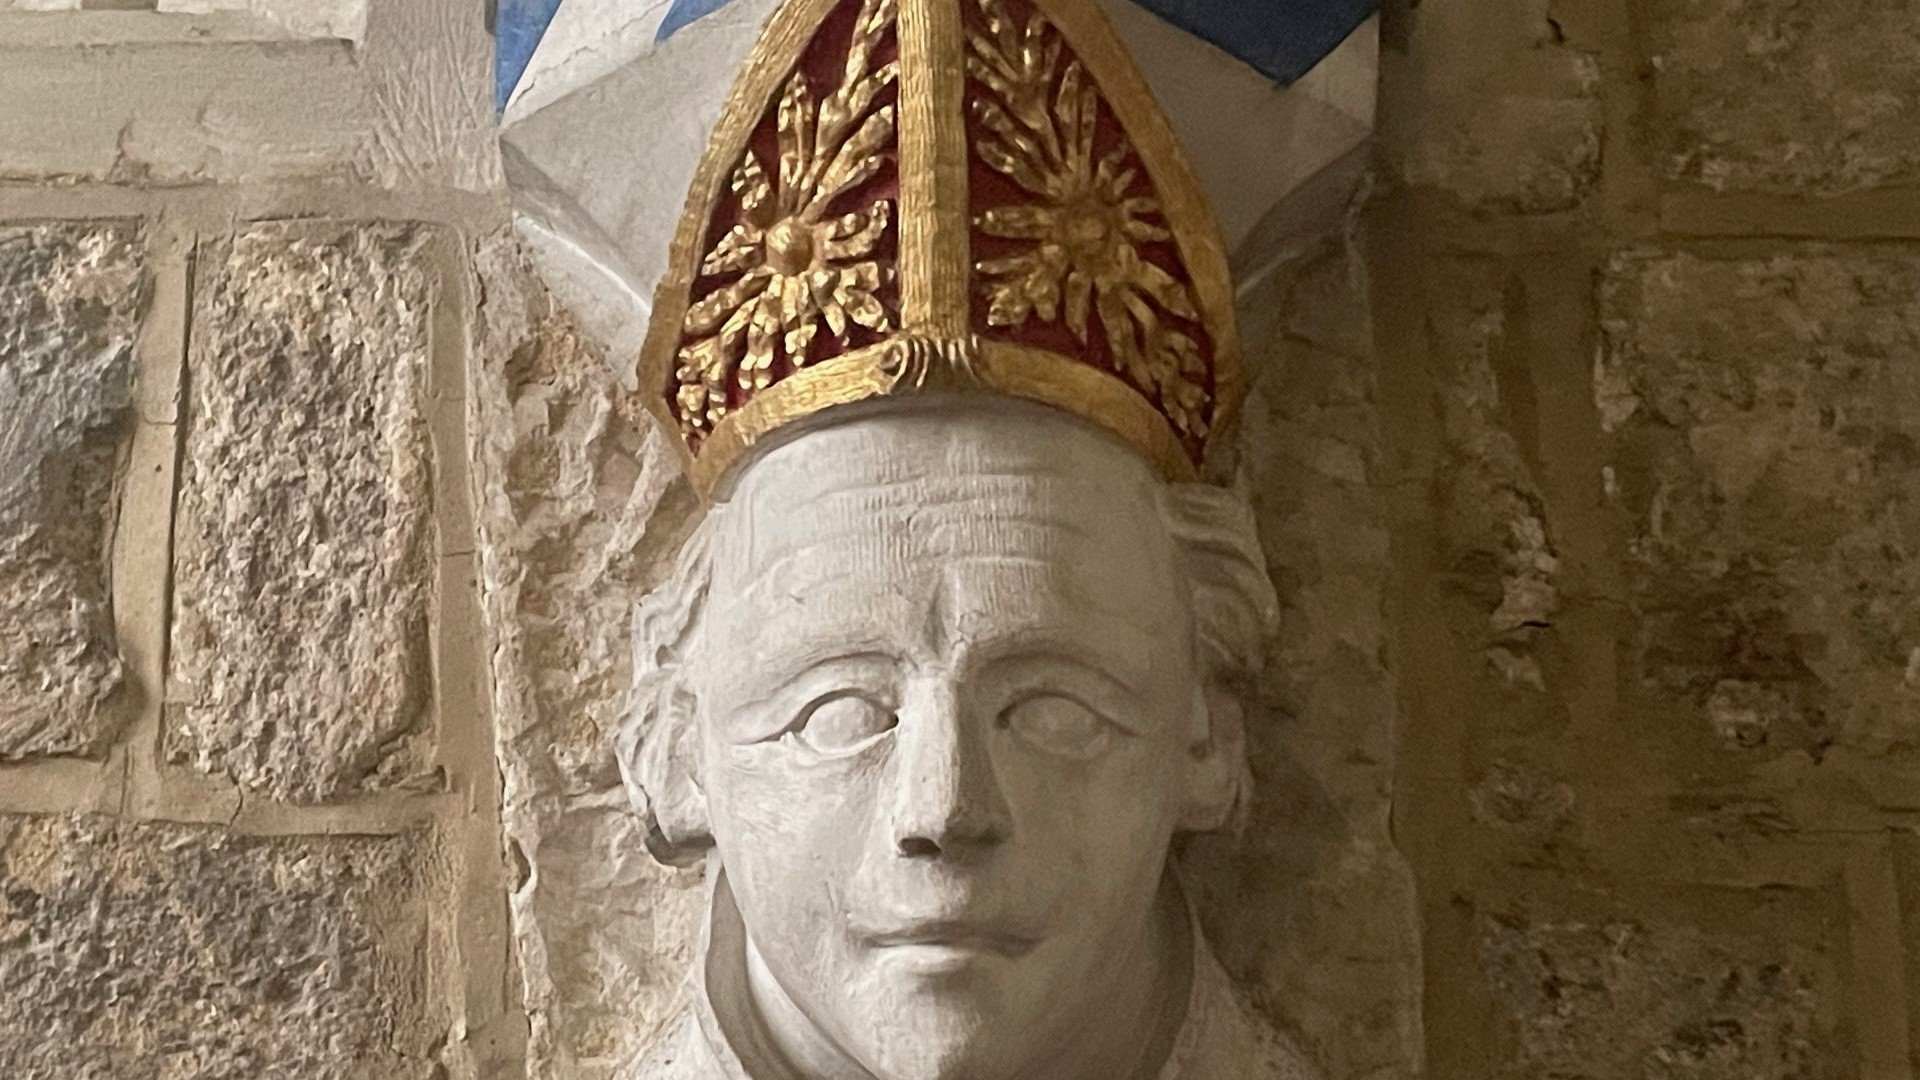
[(933, 1040), (940, 1018)]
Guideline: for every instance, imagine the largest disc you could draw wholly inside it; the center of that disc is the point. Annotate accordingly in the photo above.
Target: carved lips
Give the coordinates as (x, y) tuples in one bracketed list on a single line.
[(947, 944)]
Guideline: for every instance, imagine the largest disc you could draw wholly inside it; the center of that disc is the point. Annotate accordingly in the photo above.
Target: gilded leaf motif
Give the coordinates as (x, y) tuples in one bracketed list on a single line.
[(1080, 235), (799, 266)]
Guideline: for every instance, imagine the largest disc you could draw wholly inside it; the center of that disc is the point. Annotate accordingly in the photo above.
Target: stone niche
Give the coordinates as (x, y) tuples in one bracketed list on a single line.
[(582, 507)]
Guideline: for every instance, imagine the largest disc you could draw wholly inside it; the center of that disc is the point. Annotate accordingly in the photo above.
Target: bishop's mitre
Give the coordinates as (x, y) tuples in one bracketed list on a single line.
[(973, 196)]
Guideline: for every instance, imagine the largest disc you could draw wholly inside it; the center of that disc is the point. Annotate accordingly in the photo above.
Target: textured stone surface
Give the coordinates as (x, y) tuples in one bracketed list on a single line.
[(1522, 799), (1312, 907), (1654, 531), (1657, 1001), (1492, 105), (106, 97), (1766, 415), (157, 952), (581, 506), (70, 305), (343, 19), (1500, 556), (1906, 960), (1785, 96), (304, 549)]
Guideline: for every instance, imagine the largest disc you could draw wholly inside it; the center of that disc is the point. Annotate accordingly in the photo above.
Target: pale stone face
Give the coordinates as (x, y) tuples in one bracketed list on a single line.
[(946, 683)]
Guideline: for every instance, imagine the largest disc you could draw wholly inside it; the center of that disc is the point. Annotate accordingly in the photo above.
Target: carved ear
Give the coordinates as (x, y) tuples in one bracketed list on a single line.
[(1218, 781), (658, 751)]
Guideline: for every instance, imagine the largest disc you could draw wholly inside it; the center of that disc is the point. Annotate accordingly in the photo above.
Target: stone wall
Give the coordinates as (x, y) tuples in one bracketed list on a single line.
[(1647, 280), (322, 530), (1590, 477), (248, 807)]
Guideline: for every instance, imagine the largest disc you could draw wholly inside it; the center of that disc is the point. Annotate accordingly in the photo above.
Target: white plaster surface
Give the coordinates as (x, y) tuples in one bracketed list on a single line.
[(589, 39), (1251, 143), (598, 190)]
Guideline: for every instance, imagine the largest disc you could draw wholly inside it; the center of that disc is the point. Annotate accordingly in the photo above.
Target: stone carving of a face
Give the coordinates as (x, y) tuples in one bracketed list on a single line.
[(941, 714)]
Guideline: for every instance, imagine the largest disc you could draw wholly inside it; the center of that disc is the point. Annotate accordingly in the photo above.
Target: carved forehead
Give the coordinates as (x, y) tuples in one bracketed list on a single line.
[(944, 439), (945, 482), (1023, 513)]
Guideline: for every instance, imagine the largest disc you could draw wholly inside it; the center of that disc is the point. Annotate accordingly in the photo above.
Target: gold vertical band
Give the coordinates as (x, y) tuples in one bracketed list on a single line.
[(935, 252)]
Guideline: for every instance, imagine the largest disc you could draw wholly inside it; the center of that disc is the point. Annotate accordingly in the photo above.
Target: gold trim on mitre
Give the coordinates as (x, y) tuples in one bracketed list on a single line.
[(969, 196)]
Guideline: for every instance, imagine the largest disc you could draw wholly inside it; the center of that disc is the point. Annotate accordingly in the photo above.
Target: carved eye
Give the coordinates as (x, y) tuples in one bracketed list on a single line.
[(844, 723), (1059, 725)]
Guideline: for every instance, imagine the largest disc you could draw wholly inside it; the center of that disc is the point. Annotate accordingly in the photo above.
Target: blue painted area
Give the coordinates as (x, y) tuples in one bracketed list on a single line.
[(686, 11), (1283, 39), (517, 28)]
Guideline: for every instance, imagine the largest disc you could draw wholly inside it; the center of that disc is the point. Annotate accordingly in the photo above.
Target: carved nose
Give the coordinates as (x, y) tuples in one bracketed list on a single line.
[(947, 802)]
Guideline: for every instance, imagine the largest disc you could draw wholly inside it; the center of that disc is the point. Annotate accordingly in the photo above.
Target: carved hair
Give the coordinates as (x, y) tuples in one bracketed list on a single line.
[(1235, 613)]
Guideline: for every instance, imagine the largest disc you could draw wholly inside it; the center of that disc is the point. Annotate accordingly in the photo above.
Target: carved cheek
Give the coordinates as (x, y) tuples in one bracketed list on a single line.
[(1075, 805), (778, 799)]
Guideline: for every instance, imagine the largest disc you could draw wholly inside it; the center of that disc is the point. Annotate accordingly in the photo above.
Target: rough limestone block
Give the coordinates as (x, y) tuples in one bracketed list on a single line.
[(1784, 96), (581, 511), (70, 305), (1311, 908), (1494, 107), (1658, 1000), (303, 559), (1766, 420), (1501, 555), (143, 952)]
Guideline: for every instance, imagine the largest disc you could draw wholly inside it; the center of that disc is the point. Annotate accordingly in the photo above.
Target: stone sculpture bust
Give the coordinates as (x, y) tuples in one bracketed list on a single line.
[(936, 688), (950, 663)]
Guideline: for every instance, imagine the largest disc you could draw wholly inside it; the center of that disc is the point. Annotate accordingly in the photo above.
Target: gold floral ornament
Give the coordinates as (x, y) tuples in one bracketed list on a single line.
[(798, 264), (1084, 232)]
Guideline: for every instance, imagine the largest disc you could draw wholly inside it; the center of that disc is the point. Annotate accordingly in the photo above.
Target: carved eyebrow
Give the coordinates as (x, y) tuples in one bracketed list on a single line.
[(1045, 645), (766, 685), (799, 663)]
